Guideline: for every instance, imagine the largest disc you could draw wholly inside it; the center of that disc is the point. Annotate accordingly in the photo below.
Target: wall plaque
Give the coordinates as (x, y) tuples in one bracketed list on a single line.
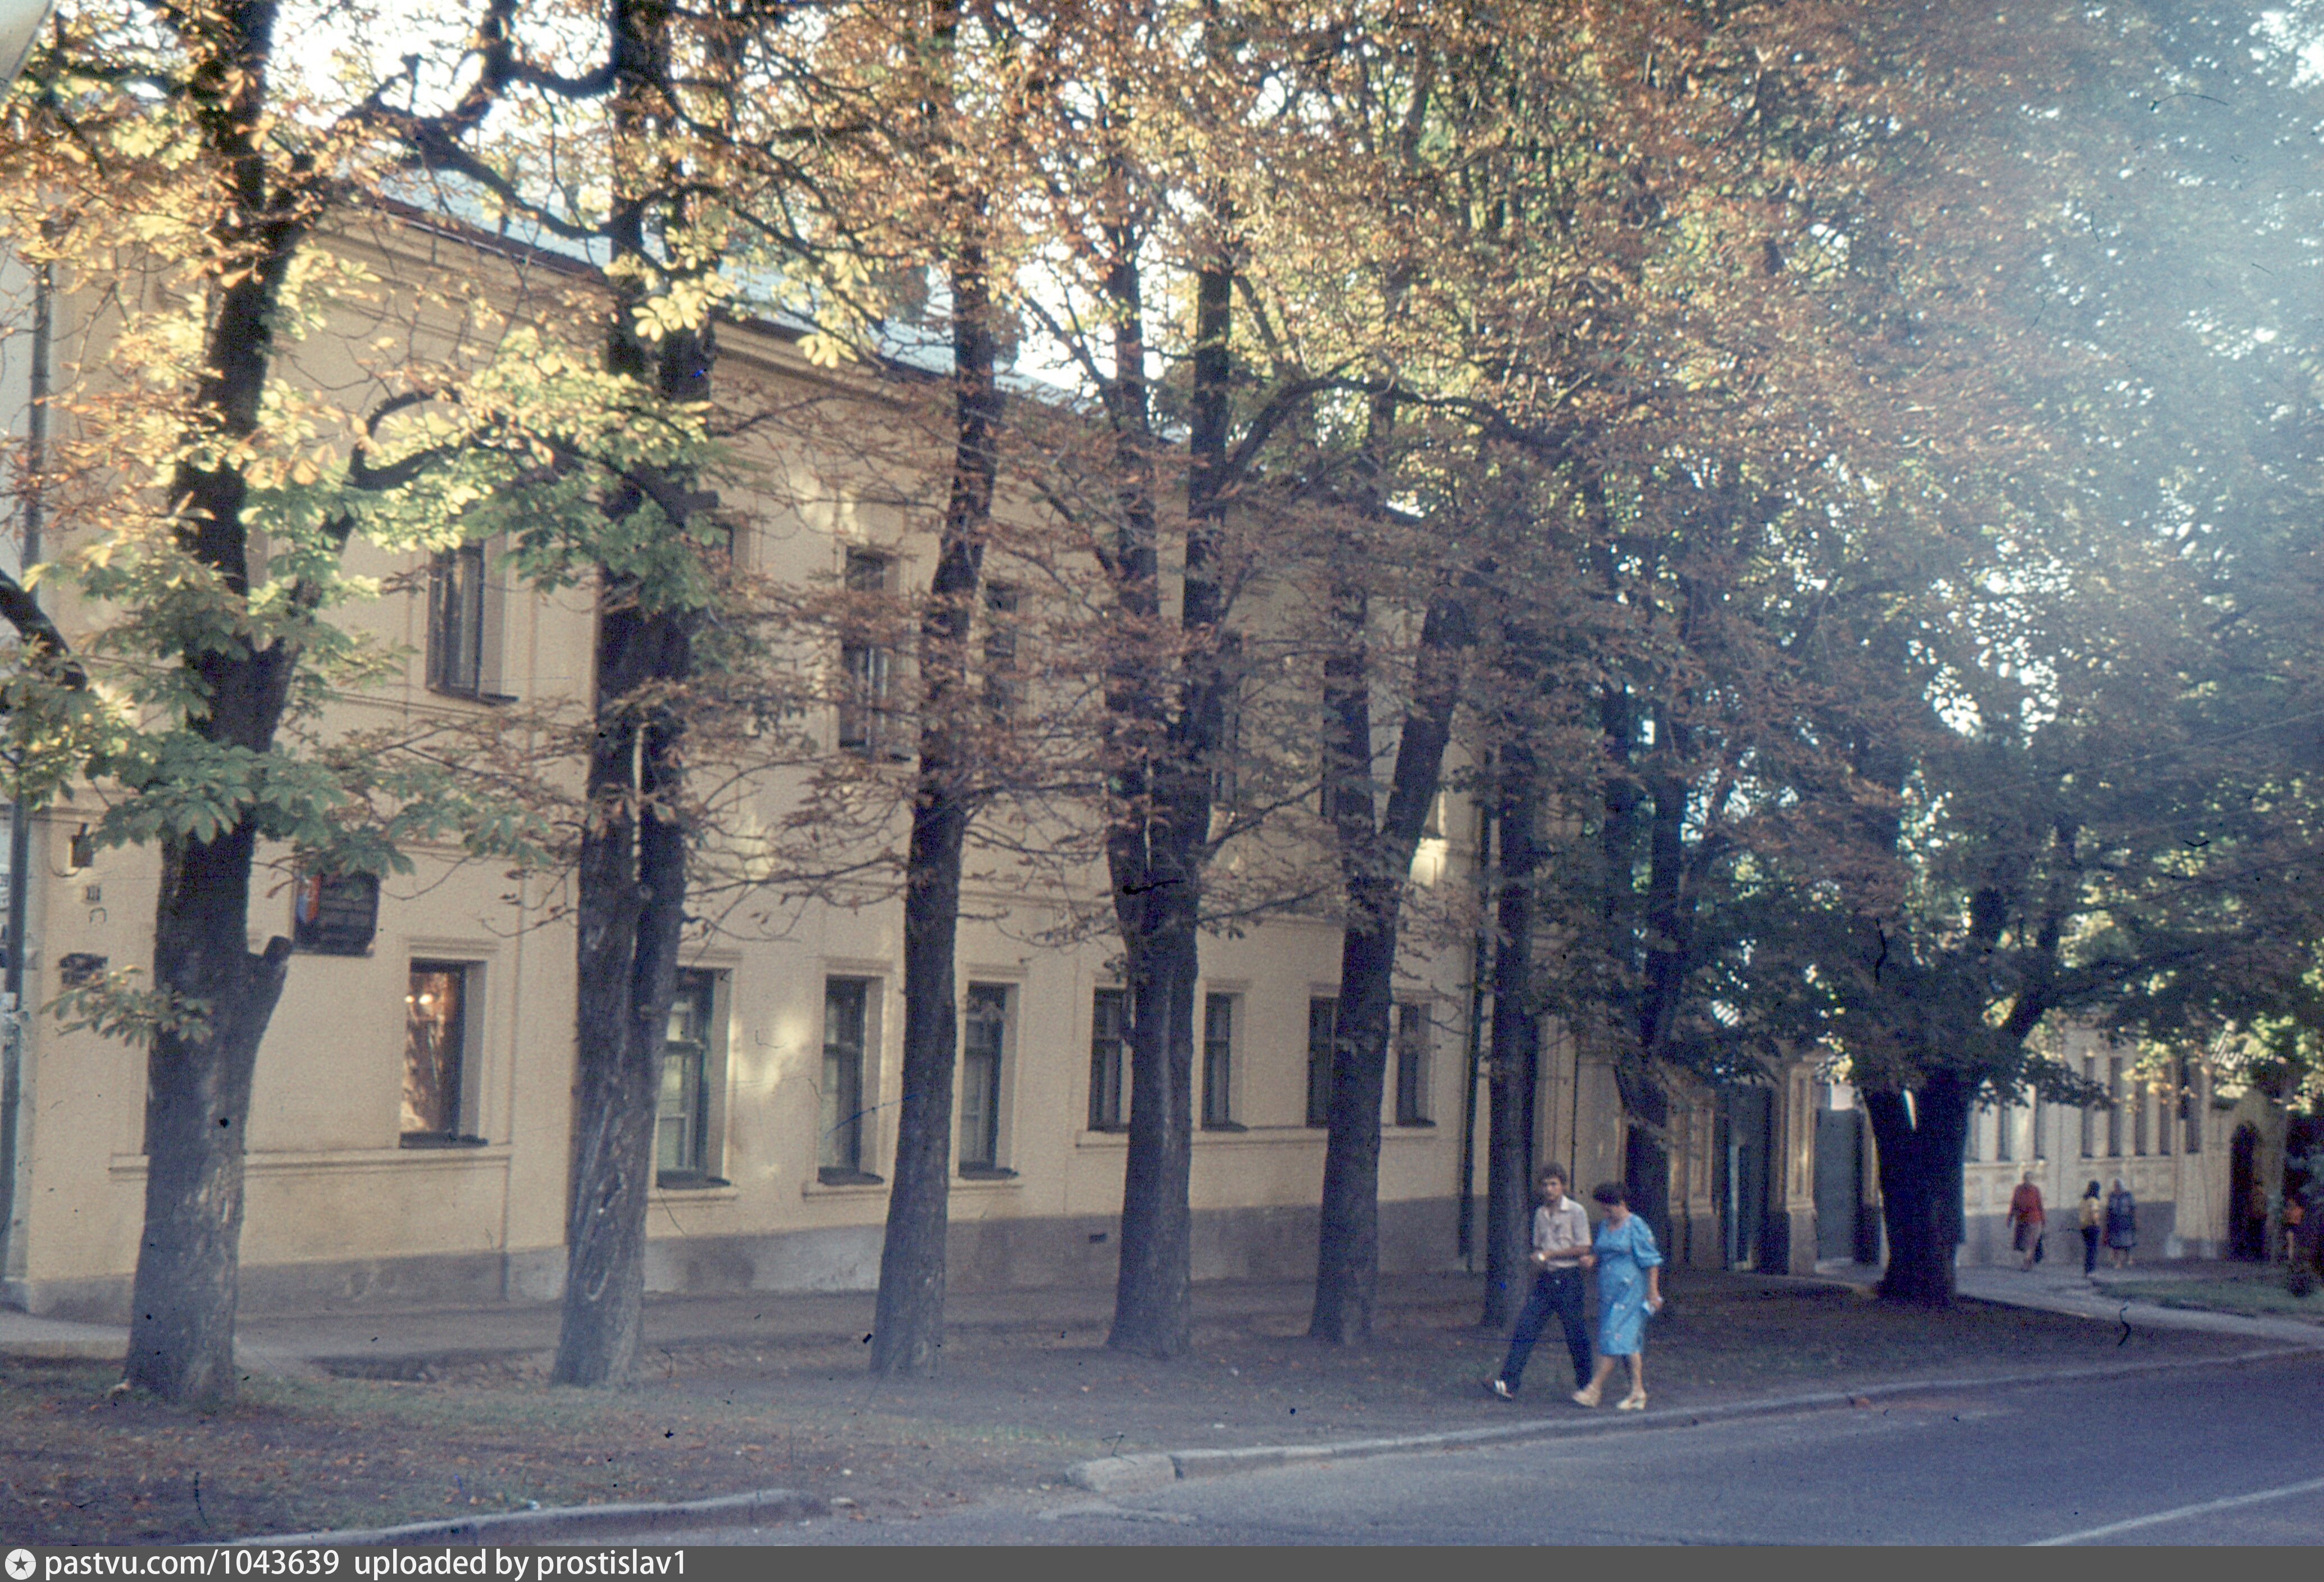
[(335, 915)]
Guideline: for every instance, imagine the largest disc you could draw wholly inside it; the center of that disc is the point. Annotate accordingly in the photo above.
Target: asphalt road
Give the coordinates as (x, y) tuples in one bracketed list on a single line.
[(2196, 1456)]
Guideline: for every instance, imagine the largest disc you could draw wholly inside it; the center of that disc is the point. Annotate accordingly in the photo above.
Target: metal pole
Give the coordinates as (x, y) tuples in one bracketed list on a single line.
[(1480, 962), (19, 821)]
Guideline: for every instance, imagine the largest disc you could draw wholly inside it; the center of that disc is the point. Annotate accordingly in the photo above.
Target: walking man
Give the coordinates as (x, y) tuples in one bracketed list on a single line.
[(2028, 1219), (1561, 1251)]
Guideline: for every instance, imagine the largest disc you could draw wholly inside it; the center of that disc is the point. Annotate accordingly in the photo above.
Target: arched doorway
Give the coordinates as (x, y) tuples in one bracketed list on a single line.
[(2246, 1199)]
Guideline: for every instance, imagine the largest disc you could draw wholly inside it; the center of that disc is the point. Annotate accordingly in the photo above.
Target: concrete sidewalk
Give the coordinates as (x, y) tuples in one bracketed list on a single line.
[(405, 1344), (2125, 1296)]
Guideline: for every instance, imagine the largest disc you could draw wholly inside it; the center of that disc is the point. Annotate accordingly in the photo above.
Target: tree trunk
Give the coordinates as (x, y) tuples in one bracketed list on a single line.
[(181, 1323), (1164, 738), (631, 905), (631, 880), (198, 1078), (1377, 865), (907, 1326), (1153, 1304), (907, 1330), (1517, 1056), (1921, 1146)]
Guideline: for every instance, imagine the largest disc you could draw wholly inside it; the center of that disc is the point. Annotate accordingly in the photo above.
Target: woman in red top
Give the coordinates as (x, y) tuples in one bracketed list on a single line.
[(2026, 1220)]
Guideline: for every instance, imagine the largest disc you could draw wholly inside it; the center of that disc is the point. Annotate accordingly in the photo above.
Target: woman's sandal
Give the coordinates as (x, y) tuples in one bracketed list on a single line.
[(1588, 1397), (1634, 1401)]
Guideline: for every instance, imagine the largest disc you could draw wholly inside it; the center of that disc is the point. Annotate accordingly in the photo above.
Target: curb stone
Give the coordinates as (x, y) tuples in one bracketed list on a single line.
[(1157, 1469), (1123, 1475), (756, 1507)]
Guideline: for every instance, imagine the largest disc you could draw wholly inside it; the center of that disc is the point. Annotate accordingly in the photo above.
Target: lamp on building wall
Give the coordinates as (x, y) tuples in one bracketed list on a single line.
[(19, 20)]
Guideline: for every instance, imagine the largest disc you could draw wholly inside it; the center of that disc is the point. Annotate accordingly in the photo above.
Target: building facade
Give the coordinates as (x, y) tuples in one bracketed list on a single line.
[(412, 1122)]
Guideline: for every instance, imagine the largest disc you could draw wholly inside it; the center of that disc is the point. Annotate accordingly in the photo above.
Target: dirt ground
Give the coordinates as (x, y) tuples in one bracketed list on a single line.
[(81, 1464)]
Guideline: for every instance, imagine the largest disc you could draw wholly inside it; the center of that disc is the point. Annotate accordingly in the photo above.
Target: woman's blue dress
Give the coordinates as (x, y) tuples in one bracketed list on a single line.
[(1625, 1252)]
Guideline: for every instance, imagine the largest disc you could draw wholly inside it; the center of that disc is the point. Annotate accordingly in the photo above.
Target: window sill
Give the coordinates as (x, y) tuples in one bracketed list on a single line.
[(468, 695), (1228, 1126), (1257, 1136), (692, 1185), (341, 1161), (844, 1183), (988, 1181), (987, 1172), (1422, 1125), (439, 1140)]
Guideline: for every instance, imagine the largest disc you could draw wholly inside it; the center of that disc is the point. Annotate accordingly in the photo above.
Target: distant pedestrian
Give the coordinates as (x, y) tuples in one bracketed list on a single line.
[(2093, 1218), (2121, 1224), (1629, 1288), (1561, 1251), (2028, 1219), (2296, 1215)]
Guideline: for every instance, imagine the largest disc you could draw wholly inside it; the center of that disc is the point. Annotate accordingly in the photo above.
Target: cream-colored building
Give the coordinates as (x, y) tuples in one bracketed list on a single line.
[(411, 1126), (409, 1129)]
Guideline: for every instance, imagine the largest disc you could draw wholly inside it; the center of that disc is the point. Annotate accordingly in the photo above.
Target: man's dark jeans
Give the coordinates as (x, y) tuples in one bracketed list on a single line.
[(1558, 1291)]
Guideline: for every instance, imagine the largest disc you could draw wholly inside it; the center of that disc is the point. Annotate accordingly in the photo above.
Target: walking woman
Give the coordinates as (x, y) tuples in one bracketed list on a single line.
[(2093, 1216), (1629, 1287)]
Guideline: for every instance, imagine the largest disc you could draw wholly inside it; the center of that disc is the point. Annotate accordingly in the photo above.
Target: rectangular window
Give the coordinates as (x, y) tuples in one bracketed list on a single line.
[(682, 1151), (467, 609), (1004, 688), (983, 1045), (1412, 1042), (867, 723), (1974, 1142), (1218, 1060), (2089, 1121), (847, 1003), (2033, 1128), (2165, 1095), (1323, 1019), (2191, 1103), (2137, 1096), (2114, 1108), (438, 1014), (1109, 1030), (2004, 1125)]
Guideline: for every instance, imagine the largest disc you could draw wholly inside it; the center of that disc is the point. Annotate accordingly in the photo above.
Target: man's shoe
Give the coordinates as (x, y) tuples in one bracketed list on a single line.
[(1499, 1390)]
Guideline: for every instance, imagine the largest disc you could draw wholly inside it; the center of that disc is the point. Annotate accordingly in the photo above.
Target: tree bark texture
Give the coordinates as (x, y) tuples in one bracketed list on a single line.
[(631, 879), (631, 884), (181, 1321), (1165, 738), (1153, 1293), (1375, 864), (1517, 1054), (1921, 1146), (199, 1076), (907, 1330)]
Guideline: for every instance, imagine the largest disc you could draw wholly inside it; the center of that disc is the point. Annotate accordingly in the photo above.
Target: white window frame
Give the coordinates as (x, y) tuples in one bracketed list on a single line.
[(995, 1168), (463, 1131), (831, 1171), (710, 1121)]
